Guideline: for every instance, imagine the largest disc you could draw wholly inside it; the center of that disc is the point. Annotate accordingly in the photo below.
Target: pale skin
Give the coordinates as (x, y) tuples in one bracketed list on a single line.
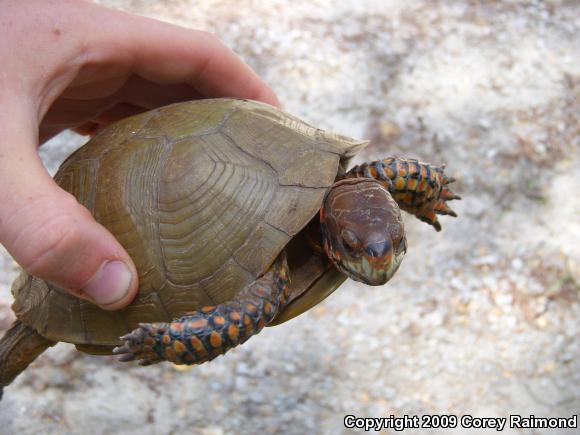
[(76, 65)]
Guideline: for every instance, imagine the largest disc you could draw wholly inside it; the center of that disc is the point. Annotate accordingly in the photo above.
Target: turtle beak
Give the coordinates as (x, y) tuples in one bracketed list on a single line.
[(375, 265), (378, 263)]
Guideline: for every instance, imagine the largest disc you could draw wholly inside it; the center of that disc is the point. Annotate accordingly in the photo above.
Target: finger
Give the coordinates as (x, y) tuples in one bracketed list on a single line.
[(49, 233), (145, 93), (82, 122), (164, 53), (135, 90), (114, 114), (76, 107)]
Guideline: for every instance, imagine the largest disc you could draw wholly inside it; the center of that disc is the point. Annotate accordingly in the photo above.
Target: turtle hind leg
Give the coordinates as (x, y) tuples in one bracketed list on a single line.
[(18, 348), (211, 331)]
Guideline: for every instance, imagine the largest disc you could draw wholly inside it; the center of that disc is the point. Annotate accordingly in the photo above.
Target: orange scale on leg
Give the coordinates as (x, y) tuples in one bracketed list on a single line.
[(267, 307), (197, 323), (260, 291), (218, 320), (170, 354), (178, 346), (251, 308), (215, 339), (400, 167), (202, 353), (176, 328), (399, 183), (233, 333), (196, 343)]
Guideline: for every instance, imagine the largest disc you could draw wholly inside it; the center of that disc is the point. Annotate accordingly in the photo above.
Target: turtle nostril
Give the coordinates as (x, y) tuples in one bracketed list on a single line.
[(379, 249)]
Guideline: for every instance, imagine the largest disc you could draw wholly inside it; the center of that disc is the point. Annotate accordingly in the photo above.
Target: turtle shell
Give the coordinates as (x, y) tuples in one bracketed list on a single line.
[(203, 195)]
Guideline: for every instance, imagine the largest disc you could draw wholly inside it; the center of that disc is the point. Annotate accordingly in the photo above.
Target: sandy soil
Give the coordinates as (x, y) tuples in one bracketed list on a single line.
[(482, 318)]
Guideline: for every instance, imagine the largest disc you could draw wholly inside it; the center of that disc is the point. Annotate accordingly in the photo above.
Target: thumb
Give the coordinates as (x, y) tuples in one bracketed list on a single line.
[(52, 236)]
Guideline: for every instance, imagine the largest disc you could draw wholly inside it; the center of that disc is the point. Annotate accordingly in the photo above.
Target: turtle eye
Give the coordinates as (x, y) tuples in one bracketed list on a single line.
[(401, 245), (350, 240)]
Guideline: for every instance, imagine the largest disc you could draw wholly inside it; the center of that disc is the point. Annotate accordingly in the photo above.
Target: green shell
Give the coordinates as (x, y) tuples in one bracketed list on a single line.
[(203, 195)]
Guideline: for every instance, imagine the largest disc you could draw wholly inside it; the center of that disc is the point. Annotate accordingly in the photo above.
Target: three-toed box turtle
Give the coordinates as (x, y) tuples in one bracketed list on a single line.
[(237, 215)]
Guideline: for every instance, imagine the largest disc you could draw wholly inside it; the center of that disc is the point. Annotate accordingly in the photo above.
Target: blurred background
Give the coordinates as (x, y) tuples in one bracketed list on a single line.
[(482, 318)]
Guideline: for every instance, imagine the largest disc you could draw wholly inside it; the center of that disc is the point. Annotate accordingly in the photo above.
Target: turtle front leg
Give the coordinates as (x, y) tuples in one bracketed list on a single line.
[(418, 188), (205, 334)]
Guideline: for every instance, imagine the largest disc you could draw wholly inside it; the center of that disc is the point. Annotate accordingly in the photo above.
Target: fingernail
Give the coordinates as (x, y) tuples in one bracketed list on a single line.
[(110, 284)]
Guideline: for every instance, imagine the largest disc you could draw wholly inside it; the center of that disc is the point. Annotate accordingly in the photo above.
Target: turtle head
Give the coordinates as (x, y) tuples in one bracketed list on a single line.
[(362, 230)]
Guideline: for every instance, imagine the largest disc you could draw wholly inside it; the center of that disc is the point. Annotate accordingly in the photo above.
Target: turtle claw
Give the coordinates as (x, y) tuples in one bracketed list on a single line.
[(138, 345), (125, 357), (125, 353)]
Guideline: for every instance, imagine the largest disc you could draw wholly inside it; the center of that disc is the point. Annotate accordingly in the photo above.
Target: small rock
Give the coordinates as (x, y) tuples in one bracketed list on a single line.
[(211, 430)]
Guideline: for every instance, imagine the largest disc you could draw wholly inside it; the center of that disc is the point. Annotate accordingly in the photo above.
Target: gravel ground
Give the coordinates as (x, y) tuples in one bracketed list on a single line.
[(481, 319)]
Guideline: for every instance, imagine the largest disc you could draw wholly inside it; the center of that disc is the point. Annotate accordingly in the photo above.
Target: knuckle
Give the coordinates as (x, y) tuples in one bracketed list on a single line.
[(46, 238), (47, 248)]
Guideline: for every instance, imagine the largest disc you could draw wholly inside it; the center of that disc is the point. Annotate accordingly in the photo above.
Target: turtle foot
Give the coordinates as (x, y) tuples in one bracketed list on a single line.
[(141, 345), (419, 188)]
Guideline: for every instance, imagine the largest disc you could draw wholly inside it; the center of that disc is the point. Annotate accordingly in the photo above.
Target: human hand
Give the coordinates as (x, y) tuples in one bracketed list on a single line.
[(73, 64)]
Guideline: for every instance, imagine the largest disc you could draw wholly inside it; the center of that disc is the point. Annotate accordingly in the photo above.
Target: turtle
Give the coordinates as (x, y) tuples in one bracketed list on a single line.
[(237, 216)]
